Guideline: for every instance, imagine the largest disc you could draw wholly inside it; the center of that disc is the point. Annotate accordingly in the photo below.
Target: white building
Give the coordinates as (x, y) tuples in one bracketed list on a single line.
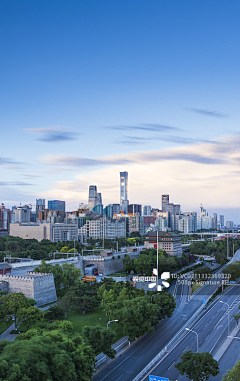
[(104, 227), (53, 232), (22, 214)]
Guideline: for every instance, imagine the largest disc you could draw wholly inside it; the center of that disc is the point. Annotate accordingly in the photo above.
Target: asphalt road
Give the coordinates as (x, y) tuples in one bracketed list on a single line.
[(131, 362), (212, 330), (128, 365)]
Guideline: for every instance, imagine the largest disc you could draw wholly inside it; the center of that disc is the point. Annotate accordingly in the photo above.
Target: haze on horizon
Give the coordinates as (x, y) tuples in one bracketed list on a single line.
[(92, 89)]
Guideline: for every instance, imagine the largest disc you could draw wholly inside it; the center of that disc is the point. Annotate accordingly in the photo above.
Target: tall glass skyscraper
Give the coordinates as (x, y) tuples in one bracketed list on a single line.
[(124, 191), (165, 201), (57, 205), (92, 197)]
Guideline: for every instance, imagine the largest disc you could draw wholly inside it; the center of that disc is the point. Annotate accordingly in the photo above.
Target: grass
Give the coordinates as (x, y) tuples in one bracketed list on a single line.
[(120, 274), (195, 286), (91, 319), (4, 326)]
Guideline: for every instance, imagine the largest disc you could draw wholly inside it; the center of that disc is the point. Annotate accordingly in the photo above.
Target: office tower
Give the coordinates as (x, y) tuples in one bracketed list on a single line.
[(98, 209), (221, 219), (115, 208), (22, 214), (176, 209), (40, 206), (5, 219), (92, 197), (191, 218), (56, 205), (165, 201), (99, 198), (135, 208), (229, 224), (147, 210), (215, 216), (203, 211), (124, 191), (108, 210)]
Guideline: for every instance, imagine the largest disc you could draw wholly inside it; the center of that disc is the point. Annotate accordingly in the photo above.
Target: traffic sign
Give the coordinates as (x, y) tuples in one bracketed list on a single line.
[(157, 378), (204, 301), (232, 282)]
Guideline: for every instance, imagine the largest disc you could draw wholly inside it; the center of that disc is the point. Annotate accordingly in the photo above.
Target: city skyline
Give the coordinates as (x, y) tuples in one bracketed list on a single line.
[(151, 89)]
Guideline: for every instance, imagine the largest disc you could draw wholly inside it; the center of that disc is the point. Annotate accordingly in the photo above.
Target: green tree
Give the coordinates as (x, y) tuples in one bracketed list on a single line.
[(29, 316), (197, 366), (233, 374), (109, 300), (236, 317), (10, 304), (54, 313), (100, 339)]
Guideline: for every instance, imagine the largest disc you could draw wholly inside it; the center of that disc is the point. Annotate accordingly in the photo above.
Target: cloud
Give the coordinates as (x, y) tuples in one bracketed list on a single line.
[(167, 138), (144, 127), (52, 135), (5, 160), (14, 183), (207, 112), (76, 161)]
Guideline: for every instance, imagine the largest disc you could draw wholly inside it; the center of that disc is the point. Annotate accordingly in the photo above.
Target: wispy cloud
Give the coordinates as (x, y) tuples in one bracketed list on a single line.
[(168, 138), (144, 127), (205, 112), (77, 161), (52, 135), (14, 183)]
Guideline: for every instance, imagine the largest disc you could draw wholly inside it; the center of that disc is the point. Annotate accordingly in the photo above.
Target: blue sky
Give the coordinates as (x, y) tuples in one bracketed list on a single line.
[(91, 88)]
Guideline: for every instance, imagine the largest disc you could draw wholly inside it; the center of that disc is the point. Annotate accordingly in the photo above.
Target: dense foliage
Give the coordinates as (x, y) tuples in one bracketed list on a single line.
[(233, 374), (147, 260), (197, 366), (218, 248), (233, 270)]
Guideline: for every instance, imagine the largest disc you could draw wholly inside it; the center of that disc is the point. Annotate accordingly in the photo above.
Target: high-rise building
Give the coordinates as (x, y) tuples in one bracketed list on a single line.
[(108, 210), (203, 212), (135, 208), (5, 219), (22, 214), (124, 191), (99, 198), (92, 197), (115, 208), (56, 205), (165, 201), (147, 210), (221, 219), (229, 224), (40, 206)]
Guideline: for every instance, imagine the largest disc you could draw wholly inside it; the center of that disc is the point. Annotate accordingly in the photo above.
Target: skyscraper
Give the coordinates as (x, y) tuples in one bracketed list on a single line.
[(92, 197), (56, 205), (40, 206), (165, 201), (124, 191)]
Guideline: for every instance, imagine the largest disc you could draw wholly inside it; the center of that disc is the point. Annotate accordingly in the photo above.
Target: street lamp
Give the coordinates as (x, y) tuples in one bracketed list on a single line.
[(228, 316), (188, 329), (154, 295), (110, 321), (234, 337)]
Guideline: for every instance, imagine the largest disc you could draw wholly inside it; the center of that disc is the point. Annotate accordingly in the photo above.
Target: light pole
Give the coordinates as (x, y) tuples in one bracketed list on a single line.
[(157, 260), (154, 295), (228, 316), (234, 337), (110, 321), (188, 329)]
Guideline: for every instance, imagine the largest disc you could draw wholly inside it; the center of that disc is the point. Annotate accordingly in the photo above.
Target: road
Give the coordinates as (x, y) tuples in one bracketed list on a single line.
[(131, 362), (212, 330)]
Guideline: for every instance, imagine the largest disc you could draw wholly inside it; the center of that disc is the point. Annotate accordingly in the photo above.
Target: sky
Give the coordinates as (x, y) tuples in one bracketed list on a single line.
[(92, 88)]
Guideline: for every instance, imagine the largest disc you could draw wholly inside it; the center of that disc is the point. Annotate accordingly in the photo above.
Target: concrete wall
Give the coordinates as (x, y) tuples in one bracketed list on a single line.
[(37, 286), (107, 265), (4, 286), (28, 231), (44, 288)]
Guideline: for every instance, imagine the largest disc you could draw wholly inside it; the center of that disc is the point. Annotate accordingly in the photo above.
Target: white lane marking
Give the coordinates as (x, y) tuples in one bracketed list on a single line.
[(171, 365)]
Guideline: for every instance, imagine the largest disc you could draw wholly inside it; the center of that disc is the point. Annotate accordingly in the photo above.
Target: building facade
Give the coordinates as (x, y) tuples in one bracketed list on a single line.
[(56, 205), (104, 227), (168, 241), (124, 191)]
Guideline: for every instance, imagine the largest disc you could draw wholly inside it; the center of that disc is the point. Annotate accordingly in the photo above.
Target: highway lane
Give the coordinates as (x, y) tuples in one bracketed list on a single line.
[(212, 330), (132, 361)]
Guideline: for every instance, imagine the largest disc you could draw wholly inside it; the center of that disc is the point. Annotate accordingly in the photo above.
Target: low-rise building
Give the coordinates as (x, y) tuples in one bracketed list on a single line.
[(168, 241)]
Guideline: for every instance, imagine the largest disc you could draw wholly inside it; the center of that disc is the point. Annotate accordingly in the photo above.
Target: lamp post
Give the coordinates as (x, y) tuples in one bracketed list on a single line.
[(234, 337), (228, 316), (157, 260), (188, 329), (110, 321), (154, 295)]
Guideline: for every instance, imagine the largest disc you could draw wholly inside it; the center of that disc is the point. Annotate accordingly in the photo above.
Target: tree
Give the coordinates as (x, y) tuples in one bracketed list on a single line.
[(100, 339), (54, 313), (29, 316), (108, 300), (11, 303), (233, 374), (197, 366), (236, 317)]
